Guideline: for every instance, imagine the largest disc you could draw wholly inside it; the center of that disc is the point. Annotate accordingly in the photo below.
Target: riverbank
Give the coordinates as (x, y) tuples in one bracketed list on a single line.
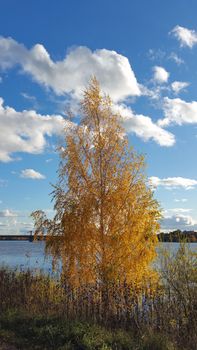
[(40, 312)]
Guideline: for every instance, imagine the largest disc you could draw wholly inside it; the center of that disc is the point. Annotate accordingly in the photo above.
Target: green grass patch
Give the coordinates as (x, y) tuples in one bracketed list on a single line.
[(28, 333)]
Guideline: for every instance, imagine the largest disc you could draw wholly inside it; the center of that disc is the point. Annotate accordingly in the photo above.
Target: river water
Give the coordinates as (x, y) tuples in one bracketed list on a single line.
[(23, 254)]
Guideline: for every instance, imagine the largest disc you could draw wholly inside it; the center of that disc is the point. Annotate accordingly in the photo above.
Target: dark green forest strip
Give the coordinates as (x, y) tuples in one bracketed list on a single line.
[(178, 236)]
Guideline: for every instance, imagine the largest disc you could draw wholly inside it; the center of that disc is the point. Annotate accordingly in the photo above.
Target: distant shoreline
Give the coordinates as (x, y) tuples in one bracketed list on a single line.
[(178, 236), (29, 238), (172, 237)]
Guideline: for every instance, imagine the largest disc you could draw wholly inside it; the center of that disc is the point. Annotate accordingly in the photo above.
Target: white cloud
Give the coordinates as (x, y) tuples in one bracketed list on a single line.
[(31, 174), (174, 57), (28, 97), (144, 127), (13, 226), (173, 182), (70, 75), (179, 221), (7, 213), (160, 75), (177, 111), (185, 36), (15, 222), (160, 55), (183, 200), (154, 54), (179, 210), (178, 86), (26, 131), (156, 91)]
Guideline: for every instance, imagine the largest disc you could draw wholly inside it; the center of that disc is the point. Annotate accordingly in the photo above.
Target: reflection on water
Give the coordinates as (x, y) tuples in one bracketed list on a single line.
[(24, 254)]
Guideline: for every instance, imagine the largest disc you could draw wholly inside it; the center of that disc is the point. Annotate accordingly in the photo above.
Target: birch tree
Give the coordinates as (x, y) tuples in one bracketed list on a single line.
[(106, 217)]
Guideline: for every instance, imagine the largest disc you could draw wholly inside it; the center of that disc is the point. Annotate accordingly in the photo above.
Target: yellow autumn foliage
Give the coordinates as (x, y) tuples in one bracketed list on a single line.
[(106, 217)]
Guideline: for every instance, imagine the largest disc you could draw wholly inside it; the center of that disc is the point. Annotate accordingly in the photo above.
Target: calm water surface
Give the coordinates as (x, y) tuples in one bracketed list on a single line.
[(24, 254)]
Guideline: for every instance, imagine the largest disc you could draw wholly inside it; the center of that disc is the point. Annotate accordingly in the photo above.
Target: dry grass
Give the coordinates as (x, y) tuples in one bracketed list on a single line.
[(168, 308)]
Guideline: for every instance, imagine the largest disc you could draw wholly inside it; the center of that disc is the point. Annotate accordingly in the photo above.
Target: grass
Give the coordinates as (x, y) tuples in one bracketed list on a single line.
[(39, 312), (40, 333)]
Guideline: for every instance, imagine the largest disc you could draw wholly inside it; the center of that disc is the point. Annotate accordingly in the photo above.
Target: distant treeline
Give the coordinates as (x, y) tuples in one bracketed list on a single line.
[(177, 236), (173, 236), (27, 237)]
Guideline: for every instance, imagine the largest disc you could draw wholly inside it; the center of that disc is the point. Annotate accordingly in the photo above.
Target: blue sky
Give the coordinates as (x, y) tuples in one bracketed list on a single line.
[(144, 55)]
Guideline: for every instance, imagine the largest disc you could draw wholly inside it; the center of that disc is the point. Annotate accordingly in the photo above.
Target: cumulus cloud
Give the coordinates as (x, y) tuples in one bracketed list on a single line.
[(173, 182), (144, 127), (178, 86), (18, 222), (70, 75), (177, 111), (7, 213), (185, 36), (179, 221), (177, 218), (31, 174), (160, 75), (13, 226), (26, 131)]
